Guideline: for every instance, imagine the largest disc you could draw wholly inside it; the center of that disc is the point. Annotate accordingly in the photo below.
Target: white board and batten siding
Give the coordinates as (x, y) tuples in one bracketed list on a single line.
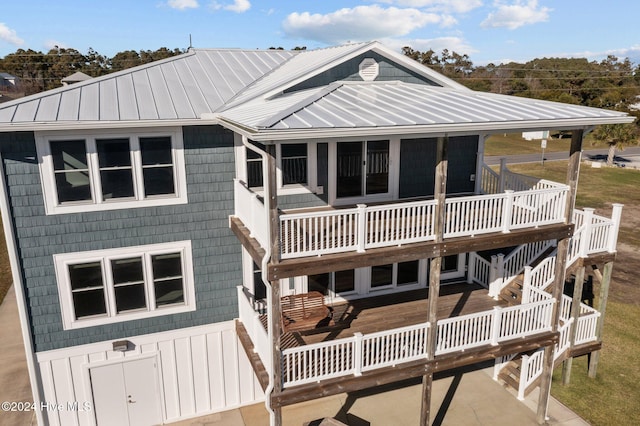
[(201, 370)]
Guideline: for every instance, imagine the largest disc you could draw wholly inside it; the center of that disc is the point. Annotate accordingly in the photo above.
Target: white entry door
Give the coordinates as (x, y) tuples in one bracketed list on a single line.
[(127, 393)]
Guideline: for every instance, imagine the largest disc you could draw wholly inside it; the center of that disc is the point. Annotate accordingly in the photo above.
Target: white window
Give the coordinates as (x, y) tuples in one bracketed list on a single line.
[(106, 286), (296, 167), (103, 171)]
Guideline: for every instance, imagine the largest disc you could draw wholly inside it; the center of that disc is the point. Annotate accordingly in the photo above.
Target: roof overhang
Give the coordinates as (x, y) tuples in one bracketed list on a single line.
[(97, 125), (431, 130)]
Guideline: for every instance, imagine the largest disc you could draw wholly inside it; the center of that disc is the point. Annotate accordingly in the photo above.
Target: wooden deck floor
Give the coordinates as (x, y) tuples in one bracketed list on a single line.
[(372, 314)]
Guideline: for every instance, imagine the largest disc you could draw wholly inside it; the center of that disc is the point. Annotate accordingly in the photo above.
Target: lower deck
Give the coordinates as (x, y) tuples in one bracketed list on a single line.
[(378, 313)]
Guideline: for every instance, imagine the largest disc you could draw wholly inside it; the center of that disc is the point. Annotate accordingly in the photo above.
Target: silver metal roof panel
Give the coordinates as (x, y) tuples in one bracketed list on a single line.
[(178, 88), (397, 104)]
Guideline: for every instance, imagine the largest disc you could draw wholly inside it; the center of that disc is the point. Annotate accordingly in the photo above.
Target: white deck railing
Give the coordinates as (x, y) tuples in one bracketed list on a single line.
[(532, 365), (249, 208), (367, 227), (594, 233), (352, 356)]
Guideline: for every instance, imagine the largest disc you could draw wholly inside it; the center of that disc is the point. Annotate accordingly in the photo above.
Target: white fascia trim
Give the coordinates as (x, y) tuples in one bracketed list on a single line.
[(431, 130), (25, 324), (34, 126)]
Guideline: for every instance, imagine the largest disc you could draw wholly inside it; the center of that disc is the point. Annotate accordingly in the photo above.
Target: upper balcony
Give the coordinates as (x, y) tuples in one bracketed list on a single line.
[(510, 206)]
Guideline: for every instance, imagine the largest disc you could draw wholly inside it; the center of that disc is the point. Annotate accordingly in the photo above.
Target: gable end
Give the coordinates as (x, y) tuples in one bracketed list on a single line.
[(388, 70)]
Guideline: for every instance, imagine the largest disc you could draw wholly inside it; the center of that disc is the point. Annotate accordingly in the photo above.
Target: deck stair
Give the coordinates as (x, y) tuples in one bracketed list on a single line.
[(511, 373), (512, 292)]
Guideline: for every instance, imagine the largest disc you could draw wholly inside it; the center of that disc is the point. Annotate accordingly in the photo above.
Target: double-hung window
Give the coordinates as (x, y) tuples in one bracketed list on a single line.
[(106, 286), (101, 171)]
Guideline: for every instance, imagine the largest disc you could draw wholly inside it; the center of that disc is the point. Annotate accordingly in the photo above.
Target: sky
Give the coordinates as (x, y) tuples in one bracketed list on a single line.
[(489, 31)]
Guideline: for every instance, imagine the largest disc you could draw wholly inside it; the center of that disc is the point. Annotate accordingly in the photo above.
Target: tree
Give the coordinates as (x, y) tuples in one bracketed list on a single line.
[(61, 63), (617, 136)]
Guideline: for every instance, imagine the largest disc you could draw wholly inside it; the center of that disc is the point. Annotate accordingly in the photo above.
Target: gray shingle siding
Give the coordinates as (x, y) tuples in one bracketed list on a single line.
[(204, 220), (418, 161)]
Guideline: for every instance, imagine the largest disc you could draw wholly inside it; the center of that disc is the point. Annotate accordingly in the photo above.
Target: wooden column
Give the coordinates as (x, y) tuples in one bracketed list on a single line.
[(440, 191), (605, 281), (275, 309), (573, 172), (575, 314)]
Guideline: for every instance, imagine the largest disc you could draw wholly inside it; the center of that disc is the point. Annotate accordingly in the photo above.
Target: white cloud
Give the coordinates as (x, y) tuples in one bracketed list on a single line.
[(360, 23), (183, 4), (516, 15), (9, 35), (238, 6), (447, 6)]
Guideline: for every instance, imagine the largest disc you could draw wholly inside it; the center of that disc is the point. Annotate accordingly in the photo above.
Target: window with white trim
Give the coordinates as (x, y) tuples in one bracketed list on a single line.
[(103, 171), (293, 163), (296, 165), (106, 286)]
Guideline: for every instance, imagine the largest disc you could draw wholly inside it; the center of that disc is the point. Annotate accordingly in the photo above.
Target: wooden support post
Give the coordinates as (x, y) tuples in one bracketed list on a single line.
[(440, 191), (573, 172), (480, 165), (602, 305), (274, 216), (427, 386), (575, 314), (275, 310)]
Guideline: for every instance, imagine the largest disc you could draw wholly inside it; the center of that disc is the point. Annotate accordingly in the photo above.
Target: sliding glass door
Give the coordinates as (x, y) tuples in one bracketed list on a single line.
[(362, 168)]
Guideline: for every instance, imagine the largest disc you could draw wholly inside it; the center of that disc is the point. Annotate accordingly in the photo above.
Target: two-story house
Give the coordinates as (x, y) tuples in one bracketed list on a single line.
[(232, 226)]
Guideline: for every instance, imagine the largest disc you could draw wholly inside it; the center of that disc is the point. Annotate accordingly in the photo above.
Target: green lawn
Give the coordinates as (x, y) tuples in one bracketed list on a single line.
[(613, 397), (512, 143)]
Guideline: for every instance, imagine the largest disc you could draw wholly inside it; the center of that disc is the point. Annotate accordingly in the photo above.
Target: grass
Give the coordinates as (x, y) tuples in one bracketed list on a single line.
[(512, 143), (613, 397)]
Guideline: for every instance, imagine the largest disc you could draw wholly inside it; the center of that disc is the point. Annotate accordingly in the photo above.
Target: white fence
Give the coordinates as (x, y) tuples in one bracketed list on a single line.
[(352, 356)]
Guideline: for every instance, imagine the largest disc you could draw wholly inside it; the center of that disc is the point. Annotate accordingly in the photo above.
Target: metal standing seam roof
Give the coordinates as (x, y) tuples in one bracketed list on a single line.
[(243, 89), (182, 87), (395, 104)]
